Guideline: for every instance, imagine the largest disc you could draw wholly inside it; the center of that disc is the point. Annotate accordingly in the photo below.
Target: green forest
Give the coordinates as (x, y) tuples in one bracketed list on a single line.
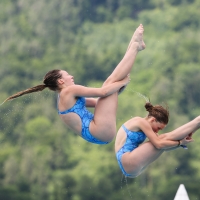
[(40, 158)]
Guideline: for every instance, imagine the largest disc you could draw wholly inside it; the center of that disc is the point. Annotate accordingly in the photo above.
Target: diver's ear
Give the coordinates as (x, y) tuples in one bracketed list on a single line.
[(153, 119), (60, 81)]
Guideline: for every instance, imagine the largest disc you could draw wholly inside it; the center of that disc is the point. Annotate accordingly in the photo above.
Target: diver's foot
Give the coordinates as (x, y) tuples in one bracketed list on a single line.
[(138, 37)]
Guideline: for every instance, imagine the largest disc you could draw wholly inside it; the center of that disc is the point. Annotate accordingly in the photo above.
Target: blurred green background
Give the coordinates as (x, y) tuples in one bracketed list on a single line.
[(39, 157)]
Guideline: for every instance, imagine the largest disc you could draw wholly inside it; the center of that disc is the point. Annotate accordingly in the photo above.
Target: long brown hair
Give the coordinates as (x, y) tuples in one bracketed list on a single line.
[(159, 112), (49, 81)]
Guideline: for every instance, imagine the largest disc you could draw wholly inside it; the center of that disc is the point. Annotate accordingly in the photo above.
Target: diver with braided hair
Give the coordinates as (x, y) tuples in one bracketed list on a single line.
[(134, 155)]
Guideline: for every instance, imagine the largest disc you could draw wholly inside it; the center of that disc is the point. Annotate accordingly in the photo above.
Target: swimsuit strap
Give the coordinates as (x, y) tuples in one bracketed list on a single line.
[(131, 135), (80, 103), (125, 129)]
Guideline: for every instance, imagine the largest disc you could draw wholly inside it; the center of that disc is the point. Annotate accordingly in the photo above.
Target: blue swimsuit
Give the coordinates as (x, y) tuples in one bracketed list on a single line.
[(133, 140), (86, 117)]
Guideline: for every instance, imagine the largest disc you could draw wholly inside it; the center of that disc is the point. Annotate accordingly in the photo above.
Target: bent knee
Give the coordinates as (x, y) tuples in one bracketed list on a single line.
[(108, 81), (163, 136)]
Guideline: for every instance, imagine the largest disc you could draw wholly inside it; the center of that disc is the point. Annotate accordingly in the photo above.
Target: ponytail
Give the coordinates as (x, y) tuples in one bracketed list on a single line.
[(49, 81), (27, 91)]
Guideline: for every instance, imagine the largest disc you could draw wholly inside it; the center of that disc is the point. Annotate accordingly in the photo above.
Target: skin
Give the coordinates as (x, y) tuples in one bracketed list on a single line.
[(136, 161), (103, 126)]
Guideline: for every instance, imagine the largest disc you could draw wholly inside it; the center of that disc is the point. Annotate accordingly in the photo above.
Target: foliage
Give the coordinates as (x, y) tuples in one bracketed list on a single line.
[(40, 158)]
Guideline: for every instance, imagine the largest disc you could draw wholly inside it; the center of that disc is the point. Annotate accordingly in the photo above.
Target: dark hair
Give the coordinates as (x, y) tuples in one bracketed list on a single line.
[(50, 81), (160, 113)]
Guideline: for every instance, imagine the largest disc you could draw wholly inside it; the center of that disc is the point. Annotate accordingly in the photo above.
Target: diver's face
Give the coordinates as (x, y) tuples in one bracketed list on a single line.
[(67, 78), (157, 126)]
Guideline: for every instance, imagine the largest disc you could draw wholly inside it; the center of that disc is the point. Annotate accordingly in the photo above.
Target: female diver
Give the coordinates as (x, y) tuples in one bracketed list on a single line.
[(134, 157), (100, 127)]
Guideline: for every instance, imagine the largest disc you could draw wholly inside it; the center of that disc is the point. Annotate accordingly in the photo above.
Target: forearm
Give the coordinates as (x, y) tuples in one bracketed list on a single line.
[(172, 148), (167, 144), (112, 88)]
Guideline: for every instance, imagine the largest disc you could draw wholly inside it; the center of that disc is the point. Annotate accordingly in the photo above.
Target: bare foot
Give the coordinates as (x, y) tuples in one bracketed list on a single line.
[(138, 37)]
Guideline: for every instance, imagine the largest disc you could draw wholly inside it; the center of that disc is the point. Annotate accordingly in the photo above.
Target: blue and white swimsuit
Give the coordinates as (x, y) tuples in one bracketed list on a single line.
[(133, 140), (86, 117)]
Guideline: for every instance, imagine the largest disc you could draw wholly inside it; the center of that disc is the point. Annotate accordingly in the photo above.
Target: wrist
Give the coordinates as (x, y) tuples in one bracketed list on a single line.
[(179, 143)]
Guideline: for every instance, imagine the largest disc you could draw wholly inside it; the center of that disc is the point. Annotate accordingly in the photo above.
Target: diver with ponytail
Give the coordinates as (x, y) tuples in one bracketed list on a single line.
[(73, 100)]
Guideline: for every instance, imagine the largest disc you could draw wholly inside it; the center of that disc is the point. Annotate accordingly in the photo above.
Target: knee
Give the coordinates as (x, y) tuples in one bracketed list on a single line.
[(164, 136), (108, 81)]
